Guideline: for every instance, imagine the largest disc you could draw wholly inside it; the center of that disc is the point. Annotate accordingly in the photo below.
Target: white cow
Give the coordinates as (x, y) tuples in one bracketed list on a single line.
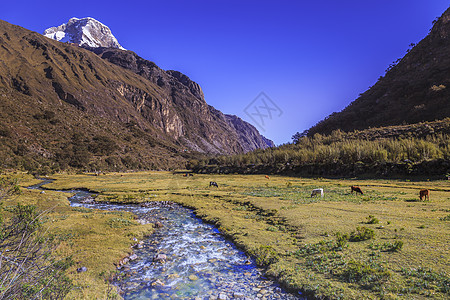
[(317, 192)]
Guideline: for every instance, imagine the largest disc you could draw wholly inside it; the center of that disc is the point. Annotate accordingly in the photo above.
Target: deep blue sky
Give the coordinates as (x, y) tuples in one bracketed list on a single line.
[(310, 57)]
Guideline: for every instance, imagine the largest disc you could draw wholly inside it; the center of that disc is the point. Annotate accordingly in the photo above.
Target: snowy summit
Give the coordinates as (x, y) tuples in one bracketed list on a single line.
[(86, 31)]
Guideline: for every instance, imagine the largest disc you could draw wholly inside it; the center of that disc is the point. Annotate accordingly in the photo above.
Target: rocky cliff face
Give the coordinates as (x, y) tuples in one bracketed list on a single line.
[(414, 89), (249, 134), (85, 31), (198, 116)]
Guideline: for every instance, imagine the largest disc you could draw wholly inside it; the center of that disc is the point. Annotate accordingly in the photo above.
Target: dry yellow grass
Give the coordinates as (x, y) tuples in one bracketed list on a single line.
[(292, 233)]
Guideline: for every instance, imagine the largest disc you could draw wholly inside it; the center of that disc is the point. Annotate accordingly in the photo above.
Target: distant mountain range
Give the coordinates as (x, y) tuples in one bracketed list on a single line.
[(416, 88), (99, 106)]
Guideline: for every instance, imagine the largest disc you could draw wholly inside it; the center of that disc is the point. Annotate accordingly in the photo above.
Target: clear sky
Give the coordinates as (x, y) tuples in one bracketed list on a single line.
[(310, 58)]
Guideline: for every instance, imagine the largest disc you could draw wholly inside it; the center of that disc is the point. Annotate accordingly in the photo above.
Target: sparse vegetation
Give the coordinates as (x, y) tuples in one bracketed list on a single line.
[(361, 234), (28, 268)]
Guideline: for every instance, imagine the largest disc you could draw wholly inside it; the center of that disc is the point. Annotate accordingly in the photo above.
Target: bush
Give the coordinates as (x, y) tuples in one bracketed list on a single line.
[(265, 255), (368, 274), (361, 234), (372, 220), (28, 269)]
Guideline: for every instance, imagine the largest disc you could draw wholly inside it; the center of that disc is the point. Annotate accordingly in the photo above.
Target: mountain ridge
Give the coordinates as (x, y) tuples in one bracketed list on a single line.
[(59, 100), (415, 88)]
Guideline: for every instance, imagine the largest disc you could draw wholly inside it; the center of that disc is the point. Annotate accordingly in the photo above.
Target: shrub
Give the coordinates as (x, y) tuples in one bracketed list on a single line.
[(446, 218), (361, 234), (341, 240), (265, 255), (368, 274), (28, 269), (372, 220), (396, 246)]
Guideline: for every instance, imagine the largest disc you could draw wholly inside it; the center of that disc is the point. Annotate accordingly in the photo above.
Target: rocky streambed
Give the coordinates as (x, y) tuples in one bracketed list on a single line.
[(184, 259)]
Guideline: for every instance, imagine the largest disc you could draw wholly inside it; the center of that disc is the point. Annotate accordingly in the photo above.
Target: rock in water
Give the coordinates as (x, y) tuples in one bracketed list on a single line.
[(160, 258), (85, 31), (193, 277), (133, 257)]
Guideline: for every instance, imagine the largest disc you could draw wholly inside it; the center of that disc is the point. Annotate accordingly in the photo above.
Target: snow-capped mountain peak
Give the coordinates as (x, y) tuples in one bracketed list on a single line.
[(85, 31)]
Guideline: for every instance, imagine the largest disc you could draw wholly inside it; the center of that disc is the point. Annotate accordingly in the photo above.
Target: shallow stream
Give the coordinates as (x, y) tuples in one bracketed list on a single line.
[(185, 258)]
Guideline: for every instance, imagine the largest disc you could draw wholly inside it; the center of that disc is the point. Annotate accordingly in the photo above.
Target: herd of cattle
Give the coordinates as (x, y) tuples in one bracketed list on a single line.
[(423, 194)]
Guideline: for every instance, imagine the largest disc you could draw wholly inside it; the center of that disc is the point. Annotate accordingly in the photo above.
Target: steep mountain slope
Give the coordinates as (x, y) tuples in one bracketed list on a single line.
[(180, 88), (416, 89), (85, 31), (64, 103), (248, 133)]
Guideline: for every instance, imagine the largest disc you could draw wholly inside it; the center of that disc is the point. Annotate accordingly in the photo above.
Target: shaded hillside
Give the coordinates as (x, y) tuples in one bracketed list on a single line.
[(416, 89), (64, 104)]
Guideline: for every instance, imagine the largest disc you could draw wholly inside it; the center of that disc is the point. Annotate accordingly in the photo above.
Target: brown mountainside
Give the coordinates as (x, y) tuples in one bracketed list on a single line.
[(416, 89), (66, 104)]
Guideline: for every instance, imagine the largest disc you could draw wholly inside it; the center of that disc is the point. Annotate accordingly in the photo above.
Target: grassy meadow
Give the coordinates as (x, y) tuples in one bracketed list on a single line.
[(383, 244)]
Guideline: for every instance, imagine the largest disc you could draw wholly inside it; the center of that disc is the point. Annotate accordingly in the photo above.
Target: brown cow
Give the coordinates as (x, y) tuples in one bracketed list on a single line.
[(267, 177), (357, 189), (424, 193)]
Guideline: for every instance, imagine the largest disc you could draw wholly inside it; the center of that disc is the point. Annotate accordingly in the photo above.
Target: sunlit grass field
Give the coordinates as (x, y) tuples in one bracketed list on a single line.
[(383, 244)]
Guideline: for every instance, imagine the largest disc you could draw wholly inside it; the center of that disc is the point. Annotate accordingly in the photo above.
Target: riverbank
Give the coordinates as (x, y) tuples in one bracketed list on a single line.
[(95, 239), (312, 244)]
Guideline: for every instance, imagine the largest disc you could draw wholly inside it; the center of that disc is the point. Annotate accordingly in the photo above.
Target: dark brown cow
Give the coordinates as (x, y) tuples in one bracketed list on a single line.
[(424, 193), (357, 189)]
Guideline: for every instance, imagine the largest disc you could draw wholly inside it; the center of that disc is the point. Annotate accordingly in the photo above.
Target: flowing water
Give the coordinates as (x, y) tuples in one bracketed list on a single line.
[(185, 258)]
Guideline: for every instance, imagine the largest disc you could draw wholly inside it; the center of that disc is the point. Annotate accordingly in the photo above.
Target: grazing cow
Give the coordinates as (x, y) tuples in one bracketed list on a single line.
[(190, 174), (317, 192), (357, 189), (424, 193), (267, 177), (213, 183)]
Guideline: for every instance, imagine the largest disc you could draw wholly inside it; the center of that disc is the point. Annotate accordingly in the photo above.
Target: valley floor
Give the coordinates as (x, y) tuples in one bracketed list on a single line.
[(383, 244)]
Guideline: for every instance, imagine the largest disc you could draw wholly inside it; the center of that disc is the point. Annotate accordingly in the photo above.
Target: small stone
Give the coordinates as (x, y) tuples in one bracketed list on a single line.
[(174, 275), (193, 277), (133, 257), (222, 296), (160, 258), (238, 295), (138, 246), (158, 225), (82, 269), (157, 282)]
